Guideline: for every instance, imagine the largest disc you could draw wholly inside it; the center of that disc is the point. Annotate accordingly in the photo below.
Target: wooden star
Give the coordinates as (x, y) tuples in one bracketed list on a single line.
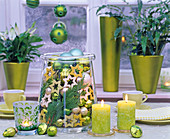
[(49, 73), (42, 118), (91, 94), (68, 80), (76, 68), (46, 100), (86, 95), (79, 120), (55, 86), (69, 121)]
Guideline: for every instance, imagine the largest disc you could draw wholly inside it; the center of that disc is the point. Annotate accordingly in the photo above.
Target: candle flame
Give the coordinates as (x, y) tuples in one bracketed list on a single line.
[(123, 39), (26, 123), (102, 103), (126, 98), (167, 84)]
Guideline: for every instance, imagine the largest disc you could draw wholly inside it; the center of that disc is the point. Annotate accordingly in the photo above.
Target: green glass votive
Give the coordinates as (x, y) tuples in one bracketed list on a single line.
[(165, 80), (26, 117)]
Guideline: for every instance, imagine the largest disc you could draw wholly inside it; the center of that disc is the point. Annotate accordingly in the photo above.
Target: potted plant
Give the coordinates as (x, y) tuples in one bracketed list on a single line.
[(110, 47), (18, 49), (148, 40)]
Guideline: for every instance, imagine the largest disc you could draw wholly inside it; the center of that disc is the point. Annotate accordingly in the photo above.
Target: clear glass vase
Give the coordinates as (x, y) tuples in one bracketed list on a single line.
[(67, 92)]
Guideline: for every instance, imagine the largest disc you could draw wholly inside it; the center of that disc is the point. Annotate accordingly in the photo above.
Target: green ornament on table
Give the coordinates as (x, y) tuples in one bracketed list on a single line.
[(42, 129), (33, 3), (58, 35), (9, 132), (52, 131), (136, 131), (60, 10)]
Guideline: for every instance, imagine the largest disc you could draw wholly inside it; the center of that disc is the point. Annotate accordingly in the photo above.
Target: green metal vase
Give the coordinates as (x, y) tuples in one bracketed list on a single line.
[(146, 72), (110, 49), (16, 74)]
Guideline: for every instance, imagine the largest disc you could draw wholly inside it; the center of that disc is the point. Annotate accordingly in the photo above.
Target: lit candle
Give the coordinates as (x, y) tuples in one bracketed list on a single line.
[(123, 39), (101, 118), (167, 84), (26, 123), (126, 114)]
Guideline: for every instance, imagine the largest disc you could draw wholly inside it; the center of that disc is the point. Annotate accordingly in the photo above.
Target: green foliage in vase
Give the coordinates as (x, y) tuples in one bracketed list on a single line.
[(69, 101), (151, 25), (19, 47)]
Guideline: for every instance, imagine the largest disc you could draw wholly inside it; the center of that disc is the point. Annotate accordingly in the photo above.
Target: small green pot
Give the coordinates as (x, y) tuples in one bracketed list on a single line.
[(16, 74), (146, 72)]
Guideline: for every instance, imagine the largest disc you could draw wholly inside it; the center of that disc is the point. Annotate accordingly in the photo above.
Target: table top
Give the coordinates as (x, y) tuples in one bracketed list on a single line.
[(149, 131)]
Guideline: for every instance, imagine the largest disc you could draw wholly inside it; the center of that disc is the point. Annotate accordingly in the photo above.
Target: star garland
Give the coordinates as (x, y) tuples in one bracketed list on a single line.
[(91, 94), (67, 81), (46, 100), (79, 120), (69, 121), (49, 73), (55, 86), (86, 95), (76, 68), (42, 118)]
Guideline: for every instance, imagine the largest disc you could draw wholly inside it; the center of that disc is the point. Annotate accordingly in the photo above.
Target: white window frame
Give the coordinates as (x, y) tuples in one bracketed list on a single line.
[(12, 11)]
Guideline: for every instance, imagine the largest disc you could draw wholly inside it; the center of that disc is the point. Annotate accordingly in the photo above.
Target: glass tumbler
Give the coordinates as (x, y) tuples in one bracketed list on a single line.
[(67, 92), (26, 117)]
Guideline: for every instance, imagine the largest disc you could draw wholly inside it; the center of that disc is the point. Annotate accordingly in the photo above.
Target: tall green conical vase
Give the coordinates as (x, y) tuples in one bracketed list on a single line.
[(110, 49), (146, 72), (16, 74)]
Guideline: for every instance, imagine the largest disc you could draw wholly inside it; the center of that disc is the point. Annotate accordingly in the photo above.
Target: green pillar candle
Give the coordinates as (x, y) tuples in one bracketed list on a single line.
[(126, 114), (101, 118)]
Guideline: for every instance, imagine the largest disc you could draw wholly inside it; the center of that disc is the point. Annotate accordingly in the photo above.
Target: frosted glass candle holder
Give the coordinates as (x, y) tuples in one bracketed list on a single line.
[(26, 117), (165, 80)]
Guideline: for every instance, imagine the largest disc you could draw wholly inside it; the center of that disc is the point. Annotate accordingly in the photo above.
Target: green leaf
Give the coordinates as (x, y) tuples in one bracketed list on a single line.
[(140, 5), (20, 59), (2, 57), (144, 41), (117, 32), (157, 36)]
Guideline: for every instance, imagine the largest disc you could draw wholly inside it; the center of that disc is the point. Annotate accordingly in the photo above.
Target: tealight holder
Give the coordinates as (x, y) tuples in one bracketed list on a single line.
[(26, 117), (112, 132), (120, 131), (165, 80)]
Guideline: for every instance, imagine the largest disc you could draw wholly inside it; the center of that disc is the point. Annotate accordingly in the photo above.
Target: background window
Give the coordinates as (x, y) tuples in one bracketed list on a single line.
[(45, 18)]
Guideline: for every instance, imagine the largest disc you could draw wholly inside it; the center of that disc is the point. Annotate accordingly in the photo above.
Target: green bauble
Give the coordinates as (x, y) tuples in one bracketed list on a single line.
[(57, 65), (60, 10), (52, 131), (58, 35), (59, 24), (86, 120), (33, 3), (42, 128), (59, 123), (136, 131), (9, 132), (67, 111)]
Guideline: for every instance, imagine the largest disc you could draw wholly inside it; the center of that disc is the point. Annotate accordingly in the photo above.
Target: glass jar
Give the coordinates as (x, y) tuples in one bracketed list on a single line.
[(67, 91)]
